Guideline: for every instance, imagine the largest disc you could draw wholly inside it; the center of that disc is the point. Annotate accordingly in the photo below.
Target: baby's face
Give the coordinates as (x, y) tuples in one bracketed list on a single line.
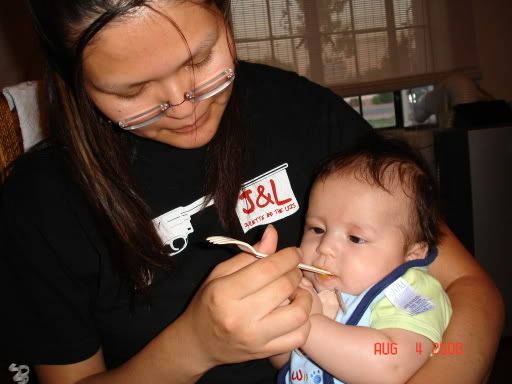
[(353, 230)]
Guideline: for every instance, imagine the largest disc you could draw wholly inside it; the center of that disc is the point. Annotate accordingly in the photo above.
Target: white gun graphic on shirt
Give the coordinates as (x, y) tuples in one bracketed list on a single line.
[(175, 226)]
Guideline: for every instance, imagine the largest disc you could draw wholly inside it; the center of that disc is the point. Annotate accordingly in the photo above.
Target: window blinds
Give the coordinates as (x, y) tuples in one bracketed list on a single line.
[(358, 46)]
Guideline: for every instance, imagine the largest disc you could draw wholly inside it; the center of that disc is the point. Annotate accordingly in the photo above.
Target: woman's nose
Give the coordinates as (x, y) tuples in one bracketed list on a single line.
[(180, 110), (180, 106)]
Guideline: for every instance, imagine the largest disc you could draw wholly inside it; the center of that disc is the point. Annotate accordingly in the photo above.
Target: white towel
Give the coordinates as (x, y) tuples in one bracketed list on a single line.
[(23, 98)]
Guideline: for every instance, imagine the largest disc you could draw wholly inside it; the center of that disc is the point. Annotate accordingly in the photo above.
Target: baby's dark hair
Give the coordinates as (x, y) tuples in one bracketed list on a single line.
[(388, 163)]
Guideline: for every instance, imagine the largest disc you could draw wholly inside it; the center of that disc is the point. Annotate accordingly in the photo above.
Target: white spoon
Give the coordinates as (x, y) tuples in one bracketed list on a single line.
[(222, 240)]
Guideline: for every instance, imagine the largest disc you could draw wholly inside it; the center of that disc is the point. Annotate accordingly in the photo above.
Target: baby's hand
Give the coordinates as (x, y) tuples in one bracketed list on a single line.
[(330, 304), (316, 307)]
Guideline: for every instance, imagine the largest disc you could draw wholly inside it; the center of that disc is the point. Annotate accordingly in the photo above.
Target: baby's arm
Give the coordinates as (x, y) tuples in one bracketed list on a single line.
[(357, 354)]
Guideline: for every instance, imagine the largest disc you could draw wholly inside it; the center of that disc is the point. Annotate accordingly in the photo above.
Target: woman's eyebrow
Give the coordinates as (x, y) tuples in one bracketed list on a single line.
[(114, 89)]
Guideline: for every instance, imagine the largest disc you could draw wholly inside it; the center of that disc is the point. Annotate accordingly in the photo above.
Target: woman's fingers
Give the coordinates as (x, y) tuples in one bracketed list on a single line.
[(238, 313), (235, 328), (244, 337), (255, 276), (288, 325), (307, 285), (267, 245), (231, 265), (268, 242), (284, 319), (272, 294)]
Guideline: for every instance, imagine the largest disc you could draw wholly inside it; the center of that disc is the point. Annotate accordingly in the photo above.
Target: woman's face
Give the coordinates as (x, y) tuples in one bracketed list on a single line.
[(141, 61)]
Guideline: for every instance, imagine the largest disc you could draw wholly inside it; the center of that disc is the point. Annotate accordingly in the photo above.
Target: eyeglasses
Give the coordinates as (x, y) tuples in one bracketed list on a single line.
[(208, 89)]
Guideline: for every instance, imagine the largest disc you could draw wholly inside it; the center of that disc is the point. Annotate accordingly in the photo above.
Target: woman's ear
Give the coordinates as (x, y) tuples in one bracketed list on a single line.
[(417, 251)]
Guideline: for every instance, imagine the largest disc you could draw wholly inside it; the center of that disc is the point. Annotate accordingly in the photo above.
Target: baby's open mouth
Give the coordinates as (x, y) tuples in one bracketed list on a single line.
[(323, 276)]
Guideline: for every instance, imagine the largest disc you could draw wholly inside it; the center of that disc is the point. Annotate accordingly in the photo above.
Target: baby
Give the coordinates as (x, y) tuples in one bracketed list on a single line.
[(372, 221)]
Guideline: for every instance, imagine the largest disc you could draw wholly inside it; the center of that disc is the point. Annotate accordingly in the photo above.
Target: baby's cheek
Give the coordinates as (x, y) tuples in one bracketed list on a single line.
[(306, 255)]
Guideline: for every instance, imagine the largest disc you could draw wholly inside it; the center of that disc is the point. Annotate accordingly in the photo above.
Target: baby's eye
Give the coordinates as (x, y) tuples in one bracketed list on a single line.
[(356, 240), (317, 230)]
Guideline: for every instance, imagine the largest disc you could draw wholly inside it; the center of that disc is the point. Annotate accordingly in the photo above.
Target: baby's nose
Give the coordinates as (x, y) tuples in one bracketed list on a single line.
[(329, 246)]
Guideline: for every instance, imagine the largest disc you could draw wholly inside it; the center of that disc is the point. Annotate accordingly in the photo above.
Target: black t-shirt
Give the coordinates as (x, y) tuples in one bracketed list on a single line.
[(61, 297)]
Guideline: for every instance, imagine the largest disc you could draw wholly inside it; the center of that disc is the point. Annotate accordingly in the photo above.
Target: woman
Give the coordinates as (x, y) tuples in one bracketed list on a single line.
[(160, 140)]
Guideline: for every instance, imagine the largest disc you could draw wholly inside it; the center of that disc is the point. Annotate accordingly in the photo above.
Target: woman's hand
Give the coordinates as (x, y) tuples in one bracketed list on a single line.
[(237, 314)]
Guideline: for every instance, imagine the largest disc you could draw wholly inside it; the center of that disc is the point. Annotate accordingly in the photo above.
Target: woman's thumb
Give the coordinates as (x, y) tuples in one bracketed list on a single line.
[(268, 242)]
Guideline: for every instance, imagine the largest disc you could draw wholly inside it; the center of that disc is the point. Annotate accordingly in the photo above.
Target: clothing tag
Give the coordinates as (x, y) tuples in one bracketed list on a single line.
[(403, 296), (266, 198)]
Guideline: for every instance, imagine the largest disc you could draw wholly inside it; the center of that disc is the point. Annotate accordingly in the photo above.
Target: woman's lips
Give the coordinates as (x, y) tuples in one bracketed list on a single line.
[(192, 127)]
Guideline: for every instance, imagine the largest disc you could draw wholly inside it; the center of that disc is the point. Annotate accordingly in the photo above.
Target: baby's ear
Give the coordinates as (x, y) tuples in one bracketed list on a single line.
[(417, 251)]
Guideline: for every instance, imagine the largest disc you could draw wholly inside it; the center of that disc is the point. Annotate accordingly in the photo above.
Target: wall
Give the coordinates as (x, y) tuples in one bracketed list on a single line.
[(493, 31), (19, 54)]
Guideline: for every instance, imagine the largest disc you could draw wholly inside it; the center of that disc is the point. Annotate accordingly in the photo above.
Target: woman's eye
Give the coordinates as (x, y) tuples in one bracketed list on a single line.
[(131, 96), (356, 240), (203, 62)]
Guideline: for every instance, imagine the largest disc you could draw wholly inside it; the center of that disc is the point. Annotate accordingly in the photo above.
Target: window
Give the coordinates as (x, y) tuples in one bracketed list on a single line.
[(408, 98), (359, 47), (391, 109)]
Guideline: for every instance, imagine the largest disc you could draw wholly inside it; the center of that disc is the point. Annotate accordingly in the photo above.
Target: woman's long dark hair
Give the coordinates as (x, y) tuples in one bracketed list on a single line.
[(98, 154)]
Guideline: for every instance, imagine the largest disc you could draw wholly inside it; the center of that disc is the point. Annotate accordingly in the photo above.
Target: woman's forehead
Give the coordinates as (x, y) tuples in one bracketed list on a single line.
[(149, 41)]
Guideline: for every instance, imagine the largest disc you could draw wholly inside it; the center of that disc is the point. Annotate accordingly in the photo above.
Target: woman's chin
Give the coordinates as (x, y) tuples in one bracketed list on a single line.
[(187, 138)]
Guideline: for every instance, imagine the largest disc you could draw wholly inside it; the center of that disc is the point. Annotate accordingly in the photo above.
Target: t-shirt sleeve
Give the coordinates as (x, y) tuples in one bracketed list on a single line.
[(431, 323), (46, 302)]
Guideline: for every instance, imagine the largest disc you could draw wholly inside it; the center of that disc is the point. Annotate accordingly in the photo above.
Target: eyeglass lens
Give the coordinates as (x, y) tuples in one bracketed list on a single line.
[(205, 90)]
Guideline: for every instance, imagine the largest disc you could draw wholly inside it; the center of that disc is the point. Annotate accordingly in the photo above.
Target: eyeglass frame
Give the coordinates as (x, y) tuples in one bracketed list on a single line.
[(162, 108)]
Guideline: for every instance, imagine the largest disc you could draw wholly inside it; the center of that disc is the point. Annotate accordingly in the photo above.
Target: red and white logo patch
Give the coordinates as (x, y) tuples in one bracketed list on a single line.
[(266, 198)]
